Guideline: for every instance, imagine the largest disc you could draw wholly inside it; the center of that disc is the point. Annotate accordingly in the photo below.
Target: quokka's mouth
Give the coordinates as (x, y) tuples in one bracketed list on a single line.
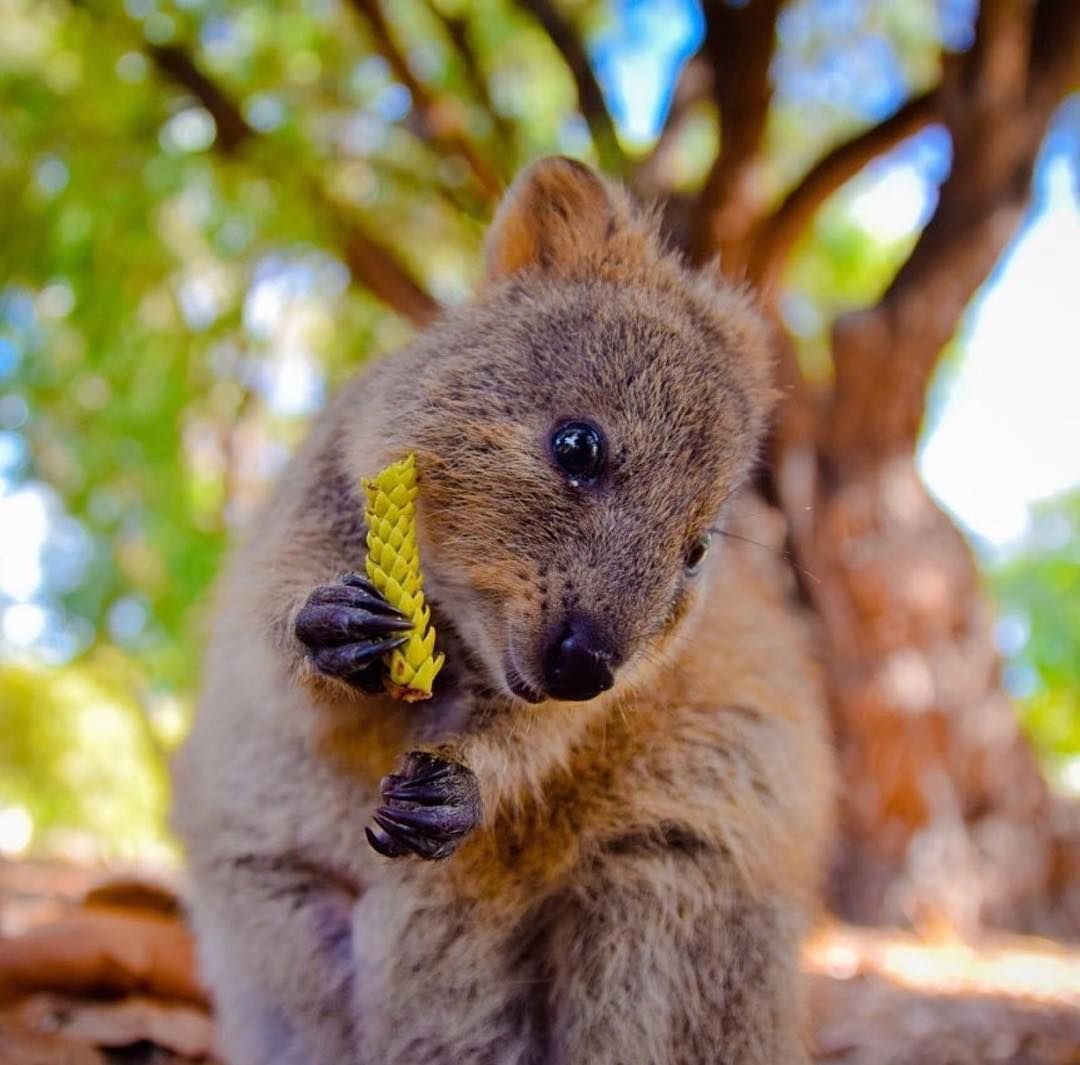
[(521, 688)]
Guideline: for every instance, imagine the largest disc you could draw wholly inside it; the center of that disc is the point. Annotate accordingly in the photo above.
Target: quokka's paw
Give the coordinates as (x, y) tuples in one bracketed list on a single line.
[(347, 627), (429, 806)]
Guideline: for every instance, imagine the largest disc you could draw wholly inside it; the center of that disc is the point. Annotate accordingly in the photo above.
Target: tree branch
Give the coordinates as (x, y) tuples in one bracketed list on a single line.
[(590, 96), (376, 268), (178, 66), (997, 64), (1055, 52), (456, 28), (774, 238), (739, 44), (370, 264), (884, 357), (441, 119)]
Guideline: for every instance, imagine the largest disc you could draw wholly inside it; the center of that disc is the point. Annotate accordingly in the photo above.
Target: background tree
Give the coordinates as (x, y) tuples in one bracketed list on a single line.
[(222, 206)]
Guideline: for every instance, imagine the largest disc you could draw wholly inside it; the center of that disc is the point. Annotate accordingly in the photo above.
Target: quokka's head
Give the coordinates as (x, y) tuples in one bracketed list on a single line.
[(582, 424)]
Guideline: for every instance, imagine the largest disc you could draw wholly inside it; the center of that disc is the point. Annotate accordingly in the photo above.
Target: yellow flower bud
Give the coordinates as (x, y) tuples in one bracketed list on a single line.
[(393, 566)]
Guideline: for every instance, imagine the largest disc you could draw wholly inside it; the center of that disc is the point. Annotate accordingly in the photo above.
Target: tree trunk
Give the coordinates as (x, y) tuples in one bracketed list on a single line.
[(946, 817), (945, 814)]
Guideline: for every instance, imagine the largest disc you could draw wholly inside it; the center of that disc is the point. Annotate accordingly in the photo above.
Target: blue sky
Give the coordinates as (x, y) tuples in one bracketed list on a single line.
[(1008, 432)]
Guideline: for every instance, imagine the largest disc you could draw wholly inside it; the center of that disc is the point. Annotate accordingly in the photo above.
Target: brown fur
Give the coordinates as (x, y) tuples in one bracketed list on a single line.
[(647, 860)]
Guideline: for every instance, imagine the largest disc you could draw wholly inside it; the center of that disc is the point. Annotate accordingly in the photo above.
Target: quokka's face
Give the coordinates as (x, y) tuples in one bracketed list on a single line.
[(581, 426), (573, 468)]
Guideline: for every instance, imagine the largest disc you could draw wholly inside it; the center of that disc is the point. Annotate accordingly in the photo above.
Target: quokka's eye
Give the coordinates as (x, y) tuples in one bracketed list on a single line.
[(578, 450), (695, 554)]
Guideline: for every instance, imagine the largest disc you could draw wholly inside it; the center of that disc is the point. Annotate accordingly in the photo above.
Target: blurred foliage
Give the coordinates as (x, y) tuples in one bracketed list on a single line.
[(1039, 591), (76, 752), (173, 309)]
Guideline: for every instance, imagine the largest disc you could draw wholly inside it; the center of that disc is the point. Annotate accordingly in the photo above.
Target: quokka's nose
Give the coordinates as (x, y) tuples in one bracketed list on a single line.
[(578, 660)]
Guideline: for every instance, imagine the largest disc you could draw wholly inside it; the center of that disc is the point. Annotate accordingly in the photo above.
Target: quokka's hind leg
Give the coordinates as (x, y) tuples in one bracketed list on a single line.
[(275, 947), (443, 981), (661, 957)]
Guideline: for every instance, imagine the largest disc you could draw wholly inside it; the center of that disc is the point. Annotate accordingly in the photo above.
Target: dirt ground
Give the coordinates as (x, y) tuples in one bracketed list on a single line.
[(92, 975)]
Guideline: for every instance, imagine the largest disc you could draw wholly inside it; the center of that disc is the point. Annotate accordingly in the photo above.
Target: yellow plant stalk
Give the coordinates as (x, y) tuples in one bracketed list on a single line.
[(393, 566)]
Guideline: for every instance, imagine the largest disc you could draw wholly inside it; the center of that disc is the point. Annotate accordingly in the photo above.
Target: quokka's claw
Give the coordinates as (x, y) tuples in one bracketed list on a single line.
[(438, 823), (421, 794), (354, 591), (358, 580), (417, 843), (332, 625), (426, 785), (348, 626), (429, 806), (352, 658), (382, 844)]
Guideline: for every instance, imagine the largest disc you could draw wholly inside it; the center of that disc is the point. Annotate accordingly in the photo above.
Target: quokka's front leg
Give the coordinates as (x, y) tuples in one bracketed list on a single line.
[(347, 626), (431, 801), (429, 805)]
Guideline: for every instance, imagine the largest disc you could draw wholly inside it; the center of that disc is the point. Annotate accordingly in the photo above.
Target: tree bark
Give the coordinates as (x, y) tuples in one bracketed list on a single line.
[(945, 814)]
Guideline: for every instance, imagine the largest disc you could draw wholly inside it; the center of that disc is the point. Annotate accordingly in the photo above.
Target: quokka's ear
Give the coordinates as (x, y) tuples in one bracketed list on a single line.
[(559, 216)]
